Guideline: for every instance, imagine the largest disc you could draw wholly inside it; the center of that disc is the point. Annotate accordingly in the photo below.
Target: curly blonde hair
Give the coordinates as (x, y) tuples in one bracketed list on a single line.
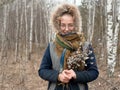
[(66, 9)]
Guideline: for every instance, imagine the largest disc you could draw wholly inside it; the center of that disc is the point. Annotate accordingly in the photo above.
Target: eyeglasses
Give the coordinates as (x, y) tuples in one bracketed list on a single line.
[(63, 26)]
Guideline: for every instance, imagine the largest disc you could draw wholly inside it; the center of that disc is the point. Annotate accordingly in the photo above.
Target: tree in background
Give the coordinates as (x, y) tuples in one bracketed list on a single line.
[(112, 34)]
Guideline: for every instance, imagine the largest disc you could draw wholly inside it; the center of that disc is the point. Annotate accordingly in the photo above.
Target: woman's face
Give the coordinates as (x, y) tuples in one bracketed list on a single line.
[(67, 24)]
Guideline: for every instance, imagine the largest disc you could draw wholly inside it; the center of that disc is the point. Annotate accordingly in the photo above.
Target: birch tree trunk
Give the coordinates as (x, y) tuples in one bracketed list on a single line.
[(3, 44), (35, 30), (46, 24), (112, 39), (110, 61), (51, 31), (3, 31), (118, 10), (26, 27), (4, 51), (93, 20), (102, 24), (91, 17), (31, 29), (21, 41), (17, 30), (118, 27), (41, 19)]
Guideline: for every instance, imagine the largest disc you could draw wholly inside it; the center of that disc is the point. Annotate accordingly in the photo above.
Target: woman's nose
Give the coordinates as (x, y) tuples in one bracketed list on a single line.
[(66, 28)]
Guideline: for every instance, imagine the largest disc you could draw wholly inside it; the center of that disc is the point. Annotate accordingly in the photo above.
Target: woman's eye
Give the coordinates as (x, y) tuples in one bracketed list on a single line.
[(69, 25), (63, 25)]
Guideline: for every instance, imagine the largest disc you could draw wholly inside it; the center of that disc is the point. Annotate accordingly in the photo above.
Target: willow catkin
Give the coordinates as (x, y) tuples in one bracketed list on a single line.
[(76, 60)]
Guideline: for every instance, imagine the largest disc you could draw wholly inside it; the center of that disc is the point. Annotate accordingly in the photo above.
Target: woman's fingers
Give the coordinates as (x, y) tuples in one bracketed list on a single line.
[(66, 75), (70, 73), (62, 78)]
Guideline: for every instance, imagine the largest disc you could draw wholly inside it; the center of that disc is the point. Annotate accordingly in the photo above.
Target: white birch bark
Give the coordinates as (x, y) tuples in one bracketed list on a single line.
[(22, 65), (118, 10), (46, 23), (102, 25), (91, 19), (112, 39), (4, 30), (3, 58), (26, 25), (110, 60), (48, 7), (31, 28), (117, 30), (20, 31), (3, 44), (41, 24), (5, 33), (17, 28), (36, 38), (51, 31)]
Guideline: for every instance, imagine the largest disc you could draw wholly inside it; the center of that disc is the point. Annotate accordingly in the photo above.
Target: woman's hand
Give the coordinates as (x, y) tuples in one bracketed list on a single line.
[(71, 73), (66, 76), (63, 77)]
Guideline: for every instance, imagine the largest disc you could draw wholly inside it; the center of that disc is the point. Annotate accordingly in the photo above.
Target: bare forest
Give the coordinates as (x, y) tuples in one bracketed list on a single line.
[(25, 31)]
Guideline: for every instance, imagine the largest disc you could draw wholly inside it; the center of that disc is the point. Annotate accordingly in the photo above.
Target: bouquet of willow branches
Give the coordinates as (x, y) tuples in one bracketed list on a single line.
[(76, 60)]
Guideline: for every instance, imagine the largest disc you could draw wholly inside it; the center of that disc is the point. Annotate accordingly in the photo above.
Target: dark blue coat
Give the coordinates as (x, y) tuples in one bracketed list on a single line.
[(46, 71)]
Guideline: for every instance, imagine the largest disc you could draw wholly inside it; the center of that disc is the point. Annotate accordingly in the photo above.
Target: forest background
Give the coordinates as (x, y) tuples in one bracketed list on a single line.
[(25, 31)]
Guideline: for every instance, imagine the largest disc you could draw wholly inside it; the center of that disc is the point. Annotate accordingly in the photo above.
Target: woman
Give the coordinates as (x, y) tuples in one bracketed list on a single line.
[(69, 62)]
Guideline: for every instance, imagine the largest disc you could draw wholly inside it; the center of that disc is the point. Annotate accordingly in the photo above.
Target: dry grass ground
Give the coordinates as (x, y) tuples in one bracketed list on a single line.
[(23, 75)]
